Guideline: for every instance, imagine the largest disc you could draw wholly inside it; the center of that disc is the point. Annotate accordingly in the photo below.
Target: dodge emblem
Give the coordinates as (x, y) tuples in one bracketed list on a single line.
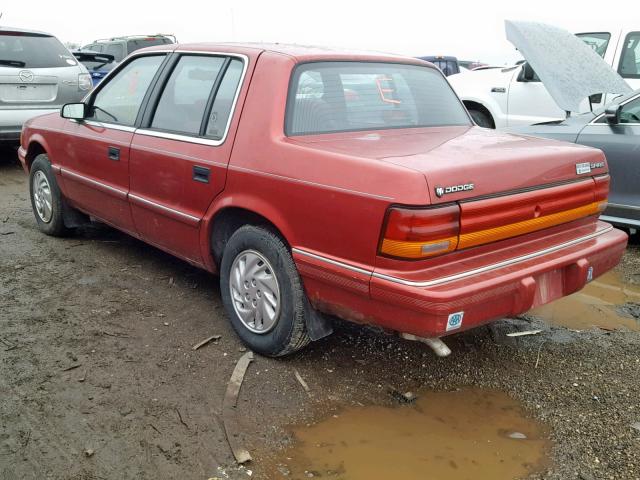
[(464, 187)]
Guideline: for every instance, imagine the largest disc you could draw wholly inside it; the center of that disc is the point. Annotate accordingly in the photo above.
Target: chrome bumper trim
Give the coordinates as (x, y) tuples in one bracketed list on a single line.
[(458, 276)]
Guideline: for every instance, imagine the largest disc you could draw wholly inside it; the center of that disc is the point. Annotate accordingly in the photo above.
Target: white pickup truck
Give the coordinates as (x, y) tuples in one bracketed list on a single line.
[(504, 97)]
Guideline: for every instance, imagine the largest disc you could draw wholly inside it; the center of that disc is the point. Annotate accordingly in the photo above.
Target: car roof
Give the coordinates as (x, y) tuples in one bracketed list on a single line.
[(301, 53), (4, 29)]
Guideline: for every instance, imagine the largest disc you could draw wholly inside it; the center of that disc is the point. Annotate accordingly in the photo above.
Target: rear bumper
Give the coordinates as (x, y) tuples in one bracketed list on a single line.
[(450, 304)]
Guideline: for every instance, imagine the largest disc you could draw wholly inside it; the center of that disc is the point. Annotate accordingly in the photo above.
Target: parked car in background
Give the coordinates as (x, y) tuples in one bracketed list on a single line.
[(37, 75), (616, 131), (98, 64), (447, 65), (515, 95), (120, 47), (471, 64), (324, 182)]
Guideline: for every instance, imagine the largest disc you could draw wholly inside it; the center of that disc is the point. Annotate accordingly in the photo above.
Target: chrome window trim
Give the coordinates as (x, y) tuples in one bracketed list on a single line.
[(462, 275), (197, 139), (164, 207), (595, 120), (112, 126)]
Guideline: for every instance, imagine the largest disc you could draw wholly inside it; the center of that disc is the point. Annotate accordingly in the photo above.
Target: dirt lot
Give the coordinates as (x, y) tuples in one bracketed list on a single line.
[(98, 378)]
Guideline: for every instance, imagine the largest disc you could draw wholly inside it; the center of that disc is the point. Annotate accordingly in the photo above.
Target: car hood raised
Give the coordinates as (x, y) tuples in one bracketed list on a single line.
[(569, 69), (491, 160)]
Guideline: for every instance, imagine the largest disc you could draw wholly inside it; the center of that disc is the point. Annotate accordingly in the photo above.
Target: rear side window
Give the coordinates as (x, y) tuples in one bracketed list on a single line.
[(330, 97), (223, 103), (26, 50), (597, 41), (120, 99), (115, 49), (184, 98), (630, 59)]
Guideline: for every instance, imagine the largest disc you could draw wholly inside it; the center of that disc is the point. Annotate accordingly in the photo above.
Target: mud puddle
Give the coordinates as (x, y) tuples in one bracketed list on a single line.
[(607, 302), (468, 434)]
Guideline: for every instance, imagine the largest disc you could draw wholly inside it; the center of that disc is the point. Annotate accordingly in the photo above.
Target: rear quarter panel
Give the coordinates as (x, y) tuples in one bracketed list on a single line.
[(323, 202)]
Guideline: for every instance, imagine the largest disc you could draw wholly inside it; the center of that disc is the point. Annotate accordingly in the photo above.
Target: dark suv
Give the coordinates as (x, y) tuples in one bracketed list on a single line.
[(120, 47)]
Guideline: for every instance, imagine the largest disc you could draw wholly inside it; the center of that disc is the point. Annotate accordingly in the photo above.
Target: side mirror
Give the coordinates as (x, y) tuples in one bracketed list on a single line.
[(612, 114), (527, 74), (74, 111)]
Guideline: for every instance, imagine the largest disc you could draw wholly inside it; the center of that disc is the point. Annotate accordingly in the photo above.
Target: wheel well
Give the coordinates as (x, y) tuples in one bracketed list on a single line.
[(230, 219), (471, 105), (33, 151)]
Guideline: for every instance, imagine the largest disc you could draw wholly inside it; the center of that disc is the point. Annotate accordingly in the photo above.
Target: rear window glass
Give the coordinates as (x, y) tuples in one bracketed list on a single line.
[(350, 96), (597, 41), (21, 50), (630, 60)]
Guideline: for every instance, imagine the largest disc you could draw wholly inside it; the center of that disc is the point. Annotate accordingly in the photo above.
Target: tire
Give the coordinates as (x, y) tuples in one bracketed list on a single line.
[(46, 199), (482, 119), (270, 330)]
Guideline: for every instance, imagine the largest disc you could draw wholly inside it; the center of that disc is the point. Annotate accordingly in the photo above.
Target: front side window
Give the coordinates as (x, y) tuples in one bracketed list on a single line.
[(597, 41), (26, 50), (630, 59), (630, 112), (119, 100), (330, 97), (184, 98)]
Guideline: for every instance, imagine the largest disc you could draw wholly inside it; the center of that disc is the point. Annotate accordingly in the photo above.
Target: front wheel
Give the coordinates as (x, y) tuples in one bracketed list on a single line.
[(46, 199), (262, 292)]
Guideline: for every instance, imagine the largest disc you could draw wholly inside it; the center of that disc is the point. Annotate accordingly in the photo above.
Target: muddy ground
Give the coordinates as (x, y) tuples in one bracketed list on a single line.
[(98, 379)]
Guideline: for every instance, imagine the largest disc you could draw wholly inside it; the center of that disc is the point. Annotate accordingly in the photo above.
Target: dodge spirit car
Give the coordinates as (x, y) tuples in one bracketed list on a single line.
[(317, 182)]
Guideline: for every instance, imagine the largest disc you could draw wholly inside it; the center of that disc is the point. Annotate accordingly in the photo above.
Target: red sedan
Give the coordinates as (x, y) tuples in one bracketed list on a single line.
[(322, 182)]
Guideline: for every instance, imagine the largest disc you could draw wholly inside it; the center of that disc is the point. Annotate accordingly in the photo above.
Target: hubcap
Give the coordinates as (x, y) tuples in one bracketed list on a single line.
[(42, 196), (255, 291)]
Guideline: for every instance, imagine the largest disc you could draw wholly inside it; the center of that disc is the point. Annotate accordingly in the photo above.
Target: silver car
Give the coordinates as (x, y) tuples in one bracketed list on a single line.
[(37, 75)]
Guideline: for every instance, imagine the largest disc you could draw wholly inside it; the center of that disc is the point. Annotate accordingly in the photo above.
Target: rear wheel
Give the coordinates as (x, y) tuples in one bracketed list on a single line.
[(46, 199), (481, 119), (262, 292)]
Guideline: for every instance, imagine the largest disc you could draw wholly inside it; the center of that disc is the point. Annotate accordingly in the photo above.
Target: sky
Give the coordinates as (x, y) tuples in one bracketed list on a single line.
[(469, 30)]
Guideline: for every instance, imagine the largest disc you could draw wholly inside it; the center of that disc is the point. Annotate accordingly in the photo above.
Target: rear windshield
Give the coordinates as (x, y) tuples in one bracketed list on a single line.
[(138, 43), (597, 41), (327, 97), (26, 50)]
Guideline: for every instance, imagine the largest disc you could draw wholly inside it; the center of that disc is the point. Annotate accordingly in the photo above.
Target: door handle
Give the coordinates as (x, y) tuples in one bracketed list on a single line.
[(113, 153), (201, 174)]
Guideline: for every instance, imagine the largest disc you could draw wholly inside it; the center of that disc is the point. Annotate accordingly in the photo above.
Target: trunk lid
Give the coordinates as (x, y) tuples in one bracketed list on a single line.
[(492, 162)]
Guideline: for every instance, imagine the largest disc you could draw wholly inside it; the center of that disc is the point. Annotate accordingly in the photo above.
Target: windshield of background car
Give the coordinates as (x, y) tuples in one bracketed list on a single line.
[(630, 60), (28, 50), (138, 43), (597, 41), (327, 97)]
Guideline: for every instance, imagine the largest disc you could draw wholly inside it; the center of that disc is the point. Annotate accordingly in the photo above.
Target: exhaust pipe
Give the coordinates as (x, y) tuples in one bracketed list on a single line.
[(436, 344)]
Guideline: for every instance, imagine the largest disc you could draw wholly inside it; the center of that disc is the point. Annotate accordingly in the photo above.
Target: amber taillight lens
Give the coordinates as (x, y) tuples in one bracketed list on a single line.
[(420, 233)]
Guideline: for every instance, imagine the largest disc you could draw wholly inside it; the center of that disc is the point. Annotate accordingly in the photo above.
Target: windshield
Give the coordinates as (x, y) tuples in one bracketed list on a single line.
[(348, 96), (597, 41), (28, 50)]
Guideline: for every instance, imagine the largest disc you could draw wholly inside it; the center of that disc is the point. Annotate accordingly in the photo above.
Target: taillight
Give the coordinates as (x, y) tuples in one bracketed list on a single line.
[(601, 193), (84, 82), (420, 233)]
